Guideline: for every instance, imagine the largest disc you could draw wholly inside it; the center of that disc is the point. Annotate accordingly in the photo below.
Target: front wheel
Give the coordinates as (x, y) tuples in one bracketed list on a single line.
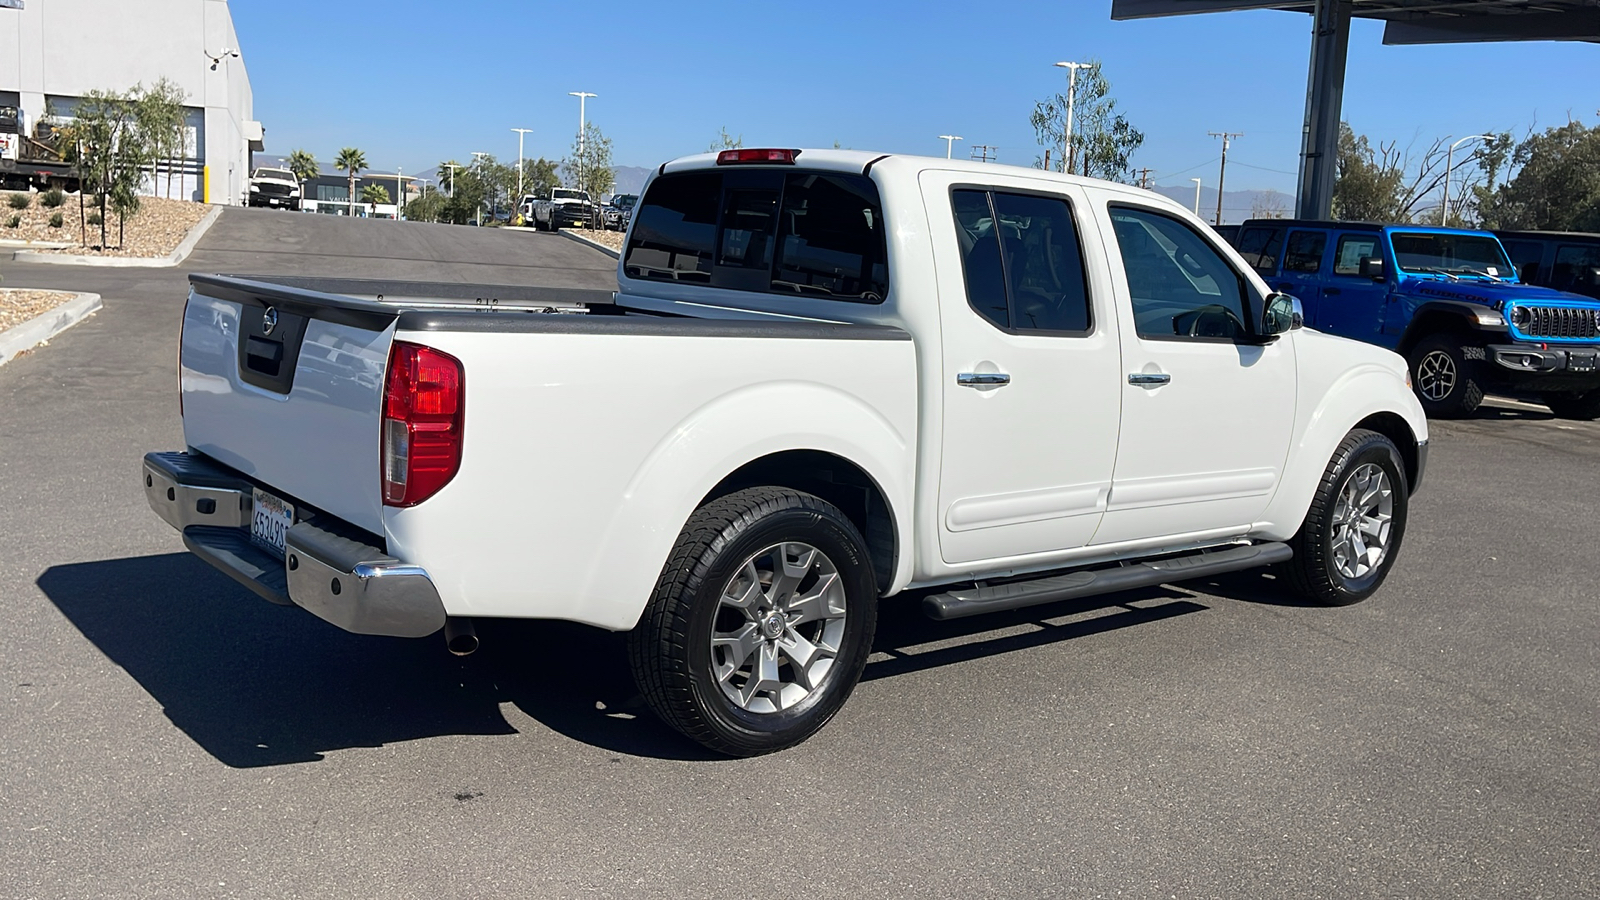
[(1352, 533), (1584, 406), (1445, 375), (760, 623)]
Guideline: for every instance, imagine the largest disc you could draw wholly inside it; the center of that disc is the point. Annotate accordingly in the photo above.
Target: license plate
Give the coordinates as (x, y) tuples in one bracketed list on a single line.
[(269, 523)]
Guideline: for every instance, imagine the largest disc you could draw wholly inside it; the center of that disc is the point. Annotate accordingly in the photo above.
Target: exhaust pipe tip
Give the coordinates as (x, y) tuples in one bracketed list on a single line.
[(460, 638)]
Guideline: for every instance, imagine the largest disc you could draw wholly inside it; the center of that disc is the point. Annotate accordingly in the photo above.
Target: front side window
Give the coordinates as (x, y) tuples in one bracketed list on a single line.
[(1450, 254), (1351, 250), (1023, 266), (1180, 286), (1304, 253), (1526, 256)]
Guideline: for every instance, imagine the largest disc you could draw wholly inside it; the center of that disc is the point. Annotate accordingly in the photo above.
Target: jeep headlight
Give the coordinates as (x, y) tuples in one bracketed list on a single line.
[(1520, 316)]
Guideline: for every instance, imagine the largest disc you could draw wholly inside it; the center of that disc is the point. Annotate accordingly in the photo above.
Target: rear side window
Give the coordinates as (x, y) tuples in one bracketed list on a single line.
[(770, 230), (1525, 258), (1024, 268), (1304, 253), (1351, 250), (1261, 248), (1572, 268)]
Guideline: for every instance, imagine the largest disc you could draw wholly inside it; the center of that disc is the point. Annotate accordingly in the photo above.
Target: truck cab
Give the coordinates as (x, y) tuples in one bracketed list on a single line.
[(1448, 299)]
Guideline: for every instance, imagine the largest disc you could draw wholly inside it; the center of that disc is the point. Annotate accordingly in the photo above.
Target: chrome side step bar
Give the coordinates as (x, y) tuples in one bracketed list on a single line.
[(995, 598)]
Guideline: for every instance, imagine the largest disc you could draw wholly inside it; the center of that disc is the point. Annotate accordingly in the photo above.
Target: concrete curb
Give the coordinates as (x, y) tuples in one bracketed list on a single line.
[(571, 236), (46, 325), (184, 248), (13, 244)]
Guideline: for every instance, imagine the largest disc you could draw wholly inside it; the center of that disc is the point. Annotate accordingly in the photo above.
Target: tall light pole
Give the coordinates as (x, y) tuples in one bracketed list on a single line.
[(583, 125), (521, 133), (949, 142), (477, 155), (1072, 92), (452, 167), (1444, 207), (1196, 195)]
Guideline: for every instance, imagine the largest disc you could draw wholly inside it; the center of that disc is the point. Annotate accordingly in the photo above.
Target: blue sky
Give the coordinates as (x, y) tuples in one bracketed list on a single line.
[(412, 83)]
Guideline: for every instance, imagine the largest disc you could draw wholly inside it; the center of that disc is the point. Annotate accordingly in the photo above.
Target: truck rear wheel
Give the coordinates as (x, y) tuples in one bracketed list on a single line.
[(760, 623), (1352, 532), (1445, 379), (1584, 406)]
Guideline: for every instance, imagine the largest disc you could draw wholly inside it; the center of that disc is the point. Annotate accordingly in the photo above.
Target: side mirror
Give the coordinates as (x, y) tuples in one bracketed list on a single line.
[(1594, 276), (1372, 267), (1283, 313)]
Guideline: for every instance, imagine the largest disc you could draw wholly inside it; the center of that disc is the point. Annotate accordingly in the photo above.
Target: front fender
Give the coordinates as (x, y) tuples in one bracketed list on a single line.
[(1327, 409), (719, 437)]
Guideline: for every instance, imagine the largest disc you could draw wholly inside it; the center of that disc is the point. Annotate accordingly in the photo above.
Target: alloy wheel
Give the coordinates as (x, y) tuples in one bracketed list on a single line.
[(778, 627)]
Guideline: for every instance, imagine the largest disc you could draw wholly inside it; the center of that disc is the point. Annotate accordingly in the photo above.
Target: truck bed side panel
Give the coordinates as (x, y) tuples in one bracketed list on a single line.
[(586, 453), (318, 442)]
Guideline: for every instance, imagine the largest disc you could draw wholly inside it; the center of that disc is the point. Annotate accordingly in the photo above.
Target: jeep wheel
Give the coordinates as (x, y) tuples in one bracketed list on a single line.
[(1348, 541), (760, 623), (1585, 406), (1447, 382)]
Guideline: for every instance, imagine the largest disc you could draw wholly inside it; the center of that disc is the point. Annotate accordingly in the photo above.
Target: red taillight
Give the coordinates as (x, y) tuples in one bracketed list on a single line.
[(422, 407), (746, 155)]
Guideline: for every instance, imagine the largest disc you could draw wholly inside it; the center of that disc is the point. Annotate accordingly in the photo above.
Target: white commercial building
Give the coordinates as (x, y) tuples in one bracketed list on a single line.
[(53, 51)]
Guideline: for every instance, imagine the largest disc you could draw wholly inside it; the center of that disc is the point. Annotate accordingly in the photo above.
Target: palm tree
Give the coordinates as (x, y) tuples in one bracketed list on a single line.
[(304, 166), (373, 194), (351, 160), (447, 175)]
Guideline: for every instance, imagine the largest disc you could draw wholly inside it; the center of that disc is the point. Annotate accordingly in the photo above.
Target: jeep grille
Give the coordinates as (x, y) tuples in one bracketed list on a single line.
[(1556, 322)]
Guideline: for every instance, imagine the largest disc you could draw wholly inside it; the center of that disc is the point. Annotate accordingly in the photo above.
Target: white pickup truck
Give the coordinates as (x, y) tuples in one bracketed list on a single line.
[(829, 378), (564, 207)]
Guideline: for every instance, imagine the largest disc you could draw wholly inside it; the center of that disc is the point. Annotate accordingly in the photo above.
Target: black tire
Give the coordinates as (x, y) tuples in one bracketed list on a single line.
[(671, 649), (1315, 572), (1584, 406), (1460, 390)]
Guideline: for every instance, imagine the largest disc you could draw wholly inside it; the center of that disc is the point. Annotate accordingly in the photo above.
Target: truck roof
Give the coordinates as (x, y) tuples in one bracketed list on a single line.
[(1358, 226), (861, 162)]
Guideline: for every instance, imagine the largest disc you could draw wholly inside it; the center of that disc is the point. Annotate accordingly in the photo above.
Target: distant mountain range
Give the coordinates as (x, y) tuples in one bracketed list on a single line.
[(1236, 205)]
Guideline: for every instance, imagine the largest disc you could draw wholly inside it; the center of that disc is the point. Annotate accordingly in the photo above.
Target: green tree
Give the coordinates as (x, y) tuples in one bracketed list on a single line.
[(1387, 183), (588, 167), (446, 173), (109, 152), (1556, 185), (428, 207), (1103, 140), (373, 194), (352, 161), (304, 166), (726, 141), (159, 114), (539, 176)]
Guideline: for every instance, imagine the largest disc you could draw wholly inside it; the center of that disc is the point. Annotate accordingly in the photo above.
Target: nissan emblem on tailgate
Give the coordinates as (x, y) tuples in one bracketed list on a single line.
[(269, 320)]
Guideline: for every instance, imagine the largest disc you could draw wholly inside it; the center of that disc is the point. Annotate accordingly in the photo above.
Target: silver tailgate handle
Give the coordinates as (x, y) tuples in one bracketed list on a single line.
[(1149, 378), (983, 379)]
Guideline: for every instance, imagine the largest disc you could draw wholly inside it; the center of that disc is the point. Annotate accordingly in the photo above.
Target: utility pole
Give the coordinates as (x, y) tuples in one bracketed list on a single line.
[(1072, 90), (949, 142), (1196, 196), (1144, 177), (521, 133), (1223, 172), (980, 152), (399, 193)]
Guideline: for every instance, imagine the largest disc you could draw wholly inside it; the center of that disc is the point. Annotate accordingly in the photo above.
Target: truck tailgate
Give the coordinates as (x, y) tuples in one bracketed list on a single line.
[(289, 395)]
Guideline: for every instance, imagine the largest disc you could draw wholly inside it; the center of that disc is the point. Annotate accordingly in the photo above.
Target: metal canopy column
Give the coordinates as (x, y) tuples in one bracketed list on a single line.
[(1319, 148)]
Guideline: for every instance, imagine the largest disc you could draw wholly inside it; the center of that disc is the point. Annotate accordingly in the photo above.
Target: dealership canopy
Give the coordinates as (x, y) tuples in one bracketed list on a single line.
[(1407, 22)]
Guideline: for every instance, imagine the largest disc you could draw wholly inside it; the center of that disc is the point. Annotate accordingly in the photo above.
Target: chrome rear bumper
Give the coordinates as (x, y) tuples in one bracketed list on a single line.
[(351, 584)]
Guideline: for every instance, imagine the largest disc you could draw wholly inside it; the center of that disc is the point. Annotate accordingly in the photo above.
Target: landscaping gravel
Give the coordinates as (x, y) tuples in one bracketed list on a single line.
[(155, 230), (17, 306), (612, 239)]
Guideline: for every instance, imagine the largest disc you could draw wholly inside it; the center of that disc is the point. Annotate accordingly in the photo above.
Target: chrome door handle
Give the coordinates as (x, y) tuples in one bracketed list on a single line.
[(1147, 378), (983, 379)]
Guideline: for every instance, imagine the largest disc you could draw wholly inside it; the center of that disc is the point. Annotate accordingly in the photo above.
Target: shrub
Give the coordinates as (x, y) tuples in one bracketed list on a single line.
[(20, 201), (15, 221), (56, 220), (52, 198), (93, 219)]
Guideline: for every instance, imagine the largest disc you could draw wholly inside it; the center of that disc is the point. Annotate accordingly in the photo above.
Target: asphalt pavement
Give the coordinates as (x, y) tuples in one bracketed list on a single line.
[(163, 733)]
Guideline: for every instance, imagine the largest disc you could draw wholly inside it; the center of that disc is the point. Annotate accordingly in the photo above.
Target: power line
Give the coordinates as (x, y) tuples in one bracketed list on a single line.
[(1263, 168), (981, 152), (1193, 167)]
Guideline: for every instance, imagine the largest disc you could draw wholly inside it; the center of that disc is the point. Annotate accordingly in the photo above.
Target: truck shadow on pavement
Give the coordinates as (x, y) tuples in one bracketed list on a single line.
[(261, 685)]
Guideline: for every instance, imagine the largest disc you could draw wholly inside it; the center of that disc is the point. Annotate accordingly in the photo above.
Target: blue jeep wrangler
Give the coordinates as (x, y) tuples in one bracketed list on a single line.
[(1447, 299)]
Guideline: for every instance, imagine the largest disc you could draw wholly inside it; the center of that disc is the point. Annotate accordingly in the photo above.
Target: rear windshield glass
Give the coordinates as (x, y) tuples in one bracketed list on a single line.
[(772, 230), (564, 194)]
